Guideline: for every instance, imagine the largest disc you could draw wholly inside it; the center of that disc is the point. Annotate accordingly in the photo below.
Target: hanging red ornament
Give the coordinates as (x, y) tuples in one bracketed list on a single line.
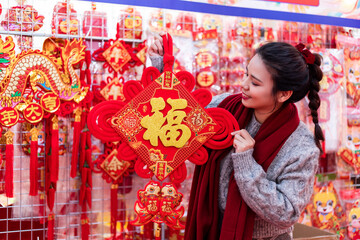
[(8, 116), (50, 102), (114, 90), (22, 18), (85, 228), (9, 164), (206, 78), (51, 222), (95, 23), (33, 113), (54, 169), (76, 141), (205, 59), (130, 24), (159, 204), (164, 123), (64, 20), (117, 56), (34, 161)]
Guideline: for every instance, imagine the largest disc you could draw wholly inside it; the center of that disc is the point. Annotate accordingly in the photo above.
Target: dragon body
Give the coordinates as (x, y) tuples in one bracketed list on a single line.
[(41, 70)]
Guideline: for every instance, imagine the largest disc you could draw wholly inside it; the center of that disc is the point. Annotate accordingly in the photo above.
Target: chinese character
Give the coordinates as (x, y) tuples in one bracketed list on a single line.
[(7, 116), (50, 103), (171, 134), (32, 110), (197, 120)]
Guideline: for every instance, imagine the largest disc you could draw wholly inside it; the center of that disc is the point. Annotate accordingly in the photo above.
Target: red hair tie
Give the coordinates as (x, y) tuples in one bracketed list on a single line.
[(309, 57)]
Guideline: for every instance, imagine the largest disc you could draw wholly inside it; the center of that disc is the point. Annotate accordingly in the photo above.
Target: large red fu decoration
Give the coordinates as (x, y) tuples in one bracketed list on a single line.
[(164, 122)]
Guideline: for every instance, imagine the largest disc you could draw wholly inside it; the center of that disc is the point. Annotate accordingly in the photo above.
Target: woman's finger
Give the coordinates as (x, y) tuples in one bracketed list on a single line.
[(159, 46), (246, 135)]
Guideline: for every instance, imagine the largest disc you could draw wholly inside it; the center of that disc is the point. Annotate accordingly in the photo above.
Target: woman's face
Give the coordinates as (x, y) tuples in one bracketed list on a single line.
[(257, 88)]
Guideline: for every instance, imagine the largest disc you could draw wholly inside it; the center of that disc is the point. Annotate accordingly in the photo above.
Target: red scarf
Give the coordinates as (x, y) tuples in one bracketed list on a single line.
[(238, 223)]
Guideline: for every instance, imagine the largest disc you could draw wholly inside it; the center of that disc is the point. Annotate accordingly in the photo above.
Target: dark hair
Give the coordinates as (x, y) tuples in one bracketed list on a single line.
[(290, 72)]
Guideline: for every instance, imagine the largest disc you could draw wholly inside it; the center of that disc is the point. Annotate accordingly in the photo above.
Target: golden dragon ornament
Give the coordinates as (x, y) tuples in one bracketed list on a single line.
[(39, 71)]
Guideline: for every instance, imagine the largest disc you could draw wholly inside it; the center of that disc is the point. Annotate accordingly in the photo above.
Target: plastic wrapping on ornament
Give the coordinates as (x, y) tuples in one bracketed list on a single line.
[(315, 35), (186, 21), (24, 42), (327, 212), (350, 195), (353, 221), (206, 60), (289, 32), (22, 18), (232, 67), (61, 14), (351, 69), (349, 152), (242, 33), (95, 24), (332, 95), (305, 216), (157, 20), (183, 51), (130, 24), (211, 21)]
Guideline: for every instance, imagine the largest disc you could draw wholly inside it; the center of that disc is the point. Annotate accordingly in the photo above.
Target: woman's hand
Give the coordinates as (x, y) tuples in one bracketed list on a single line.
[(157, 48), (242, 141)]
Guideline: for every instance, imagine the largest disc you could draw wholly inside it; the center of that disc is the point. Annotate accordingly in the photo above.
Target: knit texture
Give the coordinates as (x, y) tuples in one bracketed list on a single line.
[(279, 195), (158, 62)]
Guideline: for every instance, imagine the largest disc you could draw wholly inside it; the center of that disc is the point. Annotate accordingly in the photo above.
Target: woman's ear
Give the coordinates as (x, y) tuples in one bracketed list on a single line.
[(283, 96)]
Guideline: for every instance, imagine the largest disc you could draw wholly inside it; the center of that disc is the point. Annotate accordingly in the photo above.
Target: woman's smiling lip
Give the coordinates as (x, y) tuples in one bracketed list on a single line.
[(244, 96)]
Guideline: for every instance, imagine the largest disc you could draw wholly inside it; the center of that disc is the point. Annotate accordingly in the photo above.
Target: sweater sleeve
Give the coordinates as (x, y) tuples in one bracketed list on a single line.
[(157, 61), (216, 100), (282, 200)]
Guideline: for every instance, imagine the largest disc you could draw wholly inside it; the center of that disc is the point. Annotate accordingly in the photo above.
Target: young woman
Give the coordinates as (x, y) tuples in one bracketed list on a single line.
[(258, 188)]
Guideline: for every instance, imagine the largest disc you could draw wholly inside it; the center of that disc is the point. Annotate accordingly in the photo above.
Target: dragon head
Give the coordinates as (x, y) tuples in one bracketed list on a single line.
[(74, 50)]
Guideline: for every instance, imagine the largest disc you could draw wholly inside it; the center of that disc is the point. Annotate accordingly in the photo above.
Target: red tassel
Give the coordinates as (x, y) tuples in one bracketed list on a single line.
[(88, 58), (76, 139), (82, 194), (84, 175), (114, 206), (157, 231), (82, 75), (51, 223), (9, 165), (51, 198), (88, 76), (41, 207), (34, 162), (89, 178), (85, 229), (88, 196), (54, 166), (82, 150)]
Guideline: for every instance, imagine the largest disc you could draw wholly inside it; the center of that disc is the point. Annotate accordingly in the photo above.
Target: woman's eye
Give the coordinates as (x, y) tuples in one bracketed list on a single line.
[(255, 84)]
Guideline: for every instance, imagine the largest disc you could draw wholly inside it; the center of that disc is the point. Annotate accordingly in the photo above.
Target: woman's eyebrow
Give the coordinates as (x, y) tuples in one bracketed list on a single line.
[(253, 75)]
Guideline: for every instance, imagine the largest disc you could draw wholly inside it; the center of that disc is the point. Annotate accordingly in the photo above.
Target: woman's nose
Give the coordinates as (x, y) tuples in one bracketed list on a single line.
[(244, 84)]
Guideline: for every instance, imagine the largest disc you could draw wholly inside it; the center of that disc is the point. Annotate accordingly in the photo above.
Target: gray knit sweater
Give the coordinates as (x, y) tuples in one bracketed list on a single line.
[(279, 195)]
